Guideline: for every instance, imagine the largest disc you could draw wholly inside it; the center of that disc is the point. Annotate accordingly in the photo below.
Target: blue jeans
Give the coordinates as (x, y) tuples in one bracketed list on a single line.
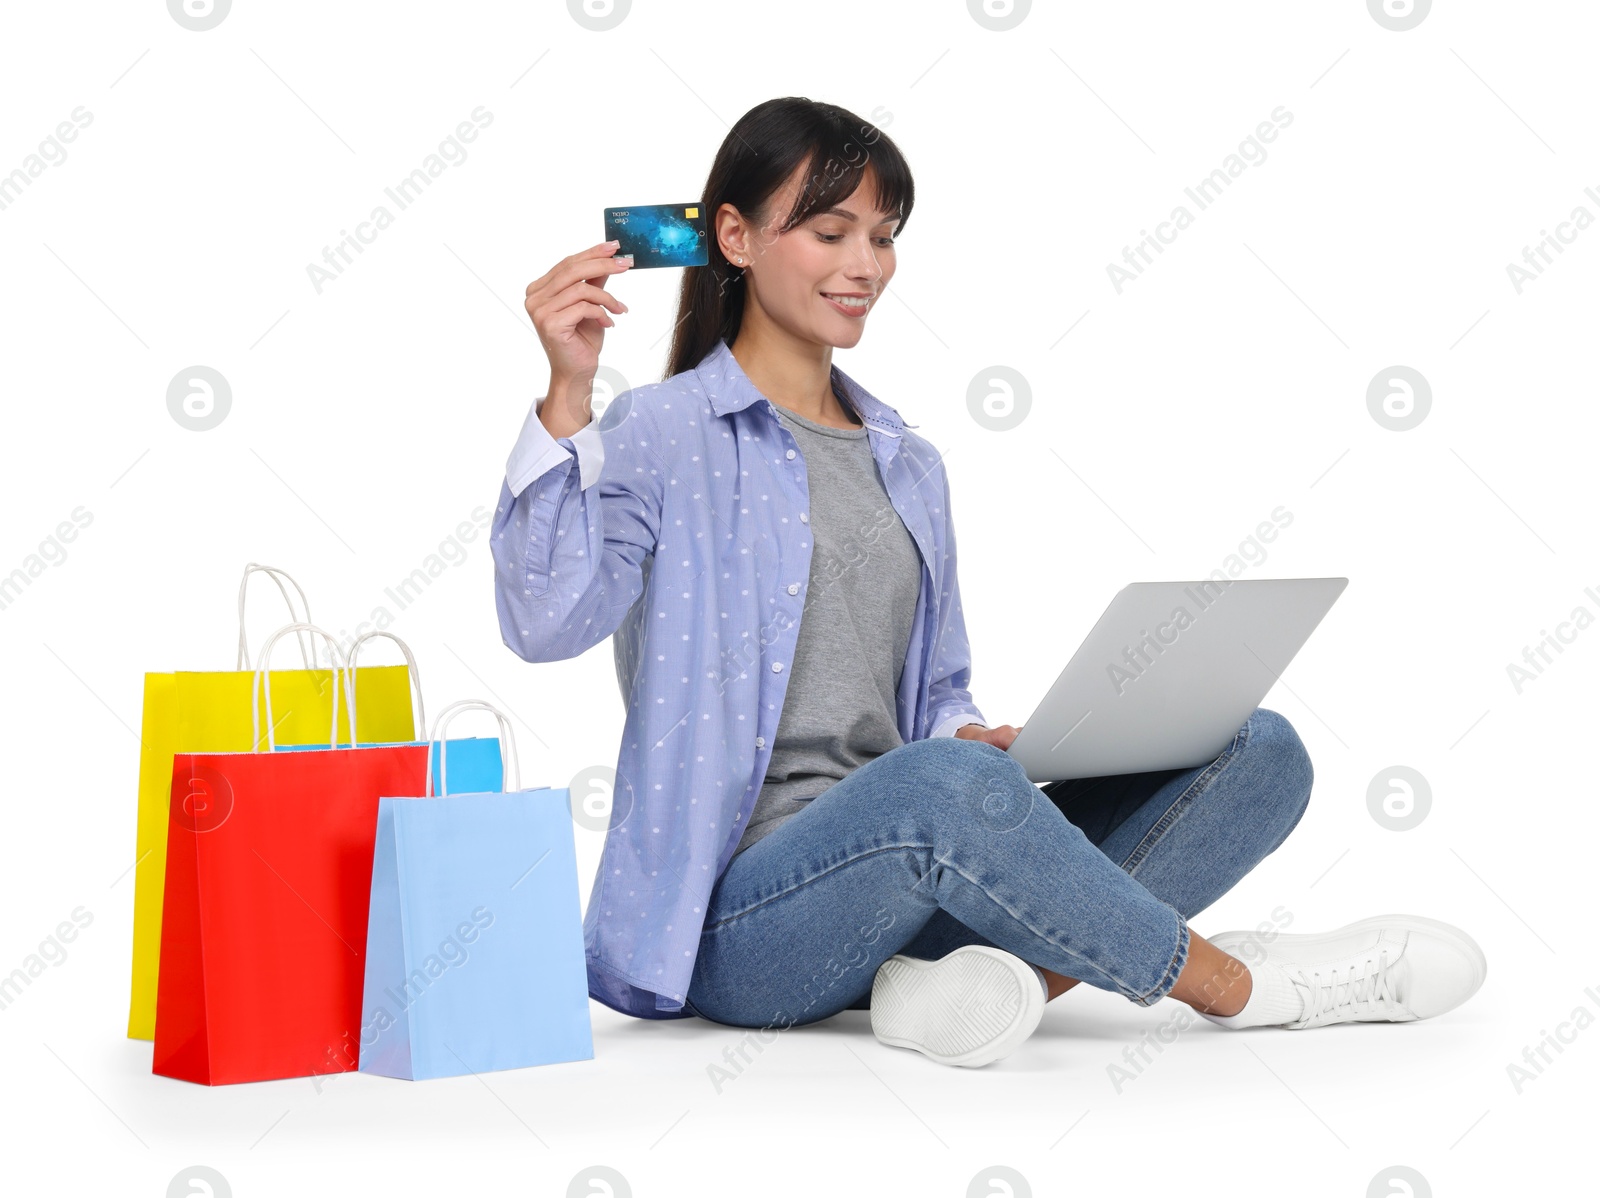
[(945, 842)]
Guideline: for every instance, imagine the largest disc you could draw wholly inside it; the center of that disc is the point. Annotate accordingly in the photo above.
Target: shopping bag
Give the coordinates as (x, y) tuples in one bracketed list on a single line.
[(475, 937), (269, 867), (210, 713), (475, 760)]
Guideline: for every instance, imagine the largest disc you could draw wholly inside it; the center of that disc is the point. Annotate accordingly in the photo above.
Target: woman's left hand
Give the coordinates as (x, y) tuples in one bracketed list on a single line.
[(1000, 737)]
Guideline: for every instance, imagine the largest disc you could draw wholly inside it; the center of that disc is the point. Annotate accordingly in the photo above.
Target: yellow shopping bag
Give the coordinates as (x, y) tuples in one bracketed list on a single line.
[(209, 712)]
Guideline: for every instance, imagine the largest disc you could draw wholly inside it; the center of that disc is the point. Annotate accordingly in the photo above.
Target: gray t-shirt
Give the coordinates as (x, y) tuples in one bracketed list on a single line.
[(839, 707)]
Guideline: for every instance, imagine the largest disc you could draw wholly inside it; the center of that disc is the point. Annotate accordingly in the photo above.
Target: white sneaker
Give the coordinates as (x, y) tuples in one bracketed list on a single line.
[(969, 1008), (1387, 969)]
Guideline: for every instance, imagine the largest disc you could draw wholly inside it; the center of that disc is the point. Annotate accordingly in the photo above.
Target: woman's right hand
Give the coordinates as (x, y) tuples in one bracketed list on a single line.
[(571, 312)]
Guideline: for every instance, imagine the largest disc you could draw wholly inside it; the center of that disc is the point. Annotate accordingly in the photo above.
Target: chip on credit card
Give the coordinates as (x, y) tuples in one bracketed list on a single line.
[(659, 234)]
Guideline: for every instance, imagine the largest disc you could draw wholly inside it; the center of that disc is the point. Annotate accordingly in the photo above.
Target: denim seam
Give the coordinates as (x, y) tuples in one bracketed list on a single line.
[(1180, 958), (787, 888), (1163, 825), (1126, 991)]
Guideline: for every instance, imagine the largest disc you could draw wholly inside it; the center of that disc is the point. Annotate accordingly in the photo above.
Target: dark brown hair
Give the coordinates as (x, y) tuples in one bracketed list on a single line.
[(762, 150)]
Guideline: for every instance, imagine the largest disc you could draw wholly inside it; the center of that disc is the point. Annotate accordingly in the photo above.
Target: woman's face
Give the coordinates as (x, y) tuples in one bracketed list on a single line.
[(821, 279)]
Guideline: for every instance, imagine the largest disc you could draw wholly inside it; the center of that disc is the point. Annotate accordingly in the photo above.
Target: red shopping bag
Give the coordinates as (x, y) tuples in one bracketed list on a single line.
[(267, 891)]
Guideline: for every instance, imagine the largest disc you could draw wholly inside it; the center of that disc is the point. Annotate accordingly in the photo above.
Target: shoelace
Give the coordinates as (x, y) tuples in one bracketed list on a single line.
[(1365, 990)]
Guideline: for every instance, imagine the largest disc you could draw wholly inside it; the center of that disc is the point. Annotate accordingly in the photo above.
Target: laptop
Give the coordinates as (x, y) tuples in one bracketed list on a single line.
[(1169, 674)]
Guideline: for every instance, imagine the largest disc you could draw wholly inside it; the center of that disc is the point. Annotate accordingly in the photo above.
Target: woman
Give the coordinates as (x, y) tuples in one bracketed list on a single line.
[(810, 813)]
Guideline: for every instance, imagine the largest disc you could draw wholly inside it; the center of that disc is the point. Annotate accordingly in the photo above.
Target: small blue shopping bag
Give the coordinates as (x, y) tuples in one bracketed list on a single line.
[(474, 935), (474, 761)]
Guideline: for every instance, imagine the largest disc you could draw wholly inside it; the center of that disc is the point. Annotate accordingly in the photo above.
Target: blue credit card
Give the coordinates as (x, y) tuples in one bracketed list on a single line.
[(659, 234)]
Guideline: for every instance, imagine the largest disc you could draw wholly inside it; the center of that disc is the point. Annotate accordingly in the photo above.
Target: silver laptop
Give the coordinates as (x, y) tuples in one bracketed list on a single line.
[(1168, 675)]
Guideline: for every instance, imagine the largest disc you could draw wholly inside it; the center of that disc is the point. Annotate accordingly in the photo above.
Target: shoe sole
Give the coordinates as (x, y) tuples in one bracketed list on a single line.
[(1465, 944), (970, 1007)]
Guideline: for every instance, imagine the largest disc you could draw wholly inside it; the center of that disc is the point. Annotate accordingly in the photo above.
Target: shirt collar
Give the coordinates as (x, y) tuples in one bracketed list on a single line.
[(729, 389)]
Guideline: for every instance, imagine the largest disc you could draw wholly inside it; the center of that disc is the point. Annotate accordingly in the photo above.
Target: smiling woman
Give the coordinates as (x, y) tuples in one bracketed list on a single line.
[(810, 814), (796, 165)]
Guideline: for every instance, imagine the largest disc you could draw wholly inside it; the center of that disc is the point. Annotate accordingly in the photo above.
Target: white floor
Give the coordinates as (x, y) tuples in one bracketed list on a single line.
[(1104, 1094)]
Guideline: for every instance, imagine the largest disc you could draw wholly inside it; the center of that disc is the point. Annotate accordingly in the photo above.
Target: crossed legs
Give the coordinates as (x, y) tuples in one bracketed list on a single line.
[(942, 843)]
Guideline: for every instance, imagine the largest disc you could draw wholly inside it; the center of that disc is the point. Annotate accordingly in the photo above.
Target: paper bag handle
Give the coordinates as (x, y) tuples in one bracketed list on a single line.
[(509, 769), (262, 685), (277, 576), (420, 721)]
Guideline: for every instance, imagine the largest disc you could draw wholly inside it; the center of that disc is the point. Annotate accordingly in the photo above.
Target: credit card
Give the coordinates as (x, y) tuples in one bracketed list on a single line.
[(659, 234)]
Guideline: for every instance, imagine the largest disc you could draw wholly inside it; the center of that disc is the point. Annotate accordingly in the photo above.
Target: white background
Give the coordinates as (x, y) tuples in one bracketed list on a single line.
[(371, 419)]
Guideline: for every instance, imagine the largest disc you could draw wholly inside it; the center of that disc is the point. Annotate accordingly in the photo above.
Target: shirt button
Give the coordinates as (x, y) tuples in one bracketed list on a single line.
[(804, 518), (794, 588), (777, 666), (761, 742), (789, 454)]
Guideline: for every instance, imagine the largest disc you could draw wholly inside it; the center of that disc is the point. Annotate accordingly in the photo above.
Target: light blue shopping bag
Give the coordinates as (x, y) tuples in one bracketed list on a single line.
[(474, 935), (474, 761)]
